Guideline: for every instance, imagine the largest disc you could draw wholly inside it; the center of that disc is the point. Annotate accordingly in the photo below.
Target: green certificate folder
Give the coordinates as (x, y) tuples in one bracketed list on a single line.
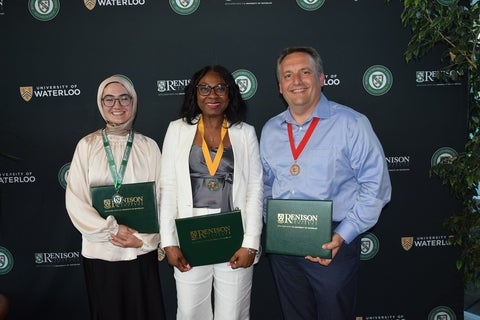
[(137, 209), (298, 227), (211, 238)]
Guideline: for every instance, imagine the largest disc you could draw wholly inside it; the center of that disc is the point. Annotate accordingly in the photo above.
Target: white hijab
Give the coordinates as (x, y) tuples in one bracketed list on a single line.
[(118, 128)]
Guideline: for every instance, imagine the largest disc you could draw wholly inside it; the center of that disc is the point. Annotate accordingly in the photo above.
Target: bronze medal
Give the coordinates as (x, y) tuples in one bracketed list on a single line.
[(294, 169)]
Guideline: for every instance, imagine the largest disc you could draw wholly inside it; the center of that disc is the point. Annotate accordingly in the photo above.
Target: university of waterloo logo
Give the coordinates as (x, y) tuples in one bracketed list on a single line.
[(407, 243), (49, 91), (90, 4), (26, 93)]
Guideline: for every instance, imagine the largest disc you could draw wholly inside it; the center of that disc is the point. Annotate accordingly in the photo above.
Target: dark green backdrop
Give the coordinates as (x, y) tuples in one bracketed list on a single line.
[(61, 61)]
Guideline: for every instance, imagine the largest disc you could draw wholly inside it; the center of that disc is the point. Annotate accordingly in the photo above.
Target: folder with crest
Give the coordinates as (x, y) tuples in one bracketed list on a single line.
[(298, 227), (135, 205), (211, 238)]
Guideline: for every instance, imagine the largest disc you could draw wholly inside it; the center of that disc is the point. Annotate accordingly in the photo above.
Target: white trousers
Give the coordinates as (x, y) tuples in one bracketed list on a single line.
[(232, 290)]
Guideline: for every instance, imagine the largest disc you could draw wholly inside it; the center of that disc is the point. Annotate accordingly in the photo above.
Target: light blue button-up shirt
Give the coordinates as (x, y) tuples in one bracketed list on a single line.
[(343, 161)]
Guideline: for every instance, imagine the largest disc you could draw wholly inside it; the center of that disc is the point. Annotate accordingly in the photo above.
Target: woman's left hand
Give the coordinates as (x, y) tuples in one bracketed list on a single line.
[(125, 238), (242, 259)]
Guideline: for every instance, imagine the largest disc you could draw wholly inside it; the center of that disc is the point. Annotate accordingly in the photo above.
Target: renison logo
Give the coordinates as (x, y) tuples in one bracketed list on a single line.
[(6, 261), (398, 163), (57, 259), (172, 87), (443, 154), (184, 7), (442, 313), (63, 175), (44, 10), (425, 78), (310, 5), (297, 219), (246, 81), (377, 80), (369, 246)]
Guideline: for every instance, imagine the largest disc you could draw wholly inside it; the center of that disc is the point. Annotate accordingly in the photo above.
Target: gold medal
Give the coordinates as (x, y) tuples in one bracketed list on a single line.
[(294, 169), (212, 184)]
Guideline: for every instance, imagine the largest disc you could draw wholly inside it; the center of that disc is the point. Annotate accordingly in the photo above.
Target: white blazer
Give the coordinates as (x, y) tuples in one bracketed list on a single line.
[(176, 189)]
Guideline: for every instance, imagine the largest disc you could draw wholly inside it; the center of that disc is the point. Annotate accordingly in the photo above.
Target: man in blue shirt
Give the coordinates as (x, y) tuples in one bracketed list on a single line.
[(322, 150)]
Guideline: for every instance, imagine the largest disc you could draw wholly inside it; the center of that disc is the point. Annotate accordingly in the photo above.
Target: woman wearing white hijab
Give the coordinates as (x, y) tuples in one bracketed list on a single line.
[(120, 263)]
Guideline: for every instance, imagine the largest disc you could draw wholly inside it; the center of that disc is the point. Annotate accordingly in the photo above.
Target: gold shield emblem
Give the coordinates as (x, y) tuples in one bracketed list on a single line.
[(407, 243), (26, 93), (90, 4)]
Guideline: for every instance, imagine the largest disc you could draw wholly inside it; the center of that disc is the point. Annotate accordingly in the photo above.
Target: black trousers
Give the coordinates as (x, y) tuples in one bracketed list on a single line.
[(124, 289)]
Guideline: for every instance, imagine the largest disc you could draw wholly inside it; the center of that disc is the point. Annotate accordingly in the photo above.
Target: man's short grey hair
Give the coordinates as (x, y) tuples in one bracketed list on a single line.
[(308, 50)]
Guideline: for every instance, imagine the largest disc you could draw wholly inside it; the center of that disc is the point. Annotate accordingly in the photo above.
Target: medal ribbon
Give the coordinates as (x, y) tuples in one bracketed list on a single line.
[(297, 151), (212, 165), (117, 175)]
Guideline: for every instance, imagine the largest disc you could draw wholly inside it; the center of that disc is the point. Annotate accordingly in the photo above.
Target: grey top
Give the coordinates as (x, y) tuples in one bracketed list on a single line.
[(211, 191)]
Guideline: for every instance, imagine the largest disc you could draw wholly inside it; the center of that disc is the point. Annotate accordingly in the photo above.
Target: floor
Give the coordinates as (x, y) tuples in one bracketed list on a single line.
[(472, 304)]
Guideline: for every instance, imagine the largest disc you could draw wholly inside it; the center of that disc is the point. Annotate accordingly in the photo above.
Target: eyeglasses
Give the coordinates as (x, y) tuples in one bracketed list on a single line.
[(124, 100), (205, 89)]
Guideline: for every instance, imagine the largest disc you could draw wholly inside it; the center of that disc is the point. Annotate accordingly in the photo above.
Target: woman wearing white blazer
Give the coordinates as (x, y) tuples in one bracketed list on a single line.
[(193, 182)]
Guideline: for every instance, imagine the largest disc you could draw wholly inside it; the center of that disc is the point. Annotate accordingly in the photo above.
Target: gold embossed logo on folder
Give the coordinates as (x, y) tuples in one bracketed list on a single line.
[(127, 203), (137, 207), (211, 238), (211, 234), (298, 220), (299, 227)]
